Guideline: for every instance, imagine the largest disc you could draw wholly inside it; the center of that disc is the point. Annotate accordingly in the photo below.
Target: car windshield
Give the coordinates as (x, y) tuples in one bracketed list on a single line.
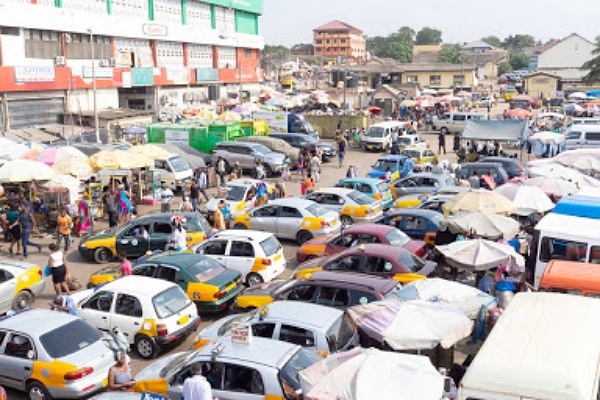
[(170, 302), (235, 193), (205, 269), (259, 148), (375, 132), (317, 210), (69, 338), (360, 198), (397, 238), (179, 164), (411, 153), (405, 140), (302, 359), (410, 261), (176, 363), (270, 246), (310, 139), (237, 321), (382, 165), (340, 333)]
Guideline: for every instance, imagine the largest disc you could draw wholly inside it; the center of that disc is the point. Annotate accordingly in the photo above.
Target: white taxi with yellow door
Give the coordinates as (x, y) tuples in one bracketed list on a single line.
[(20, 282), (352, 205), (291, 218)]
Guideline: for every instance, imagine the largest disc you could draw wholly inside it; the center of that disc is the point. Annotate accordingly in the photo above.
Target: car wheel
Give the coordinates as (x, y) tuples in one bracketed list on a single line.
[(102, 255), (268, 171), (227, 168), (445, 131), (37, 391), (240, 226), (253, 279), (145, 347), (303, 237), (23, 300), (346, 220)]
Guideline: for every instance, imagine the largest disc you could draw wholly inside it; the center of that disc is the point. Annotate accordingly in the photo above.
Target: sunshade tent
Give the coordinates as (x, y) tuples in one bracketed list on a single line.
[(150, 151), (500, 130), (529, 199), (367, 374), (484, 225), (411, 325), (53, 154), (554, 187), (479, 254), (194, 157), (119, 159), (25, 171), (80, 168), (479, 200)]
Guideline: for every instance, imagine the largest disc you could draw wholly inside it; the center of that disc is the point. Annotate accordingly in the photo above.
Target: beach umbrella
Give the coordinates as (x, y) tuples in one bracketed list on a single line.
[(25, 171), (78, 167), (529, 199), (54, 154), (479, 254), (519, 113), (150, 151), (483, 224), (119, 159), (553, 187), (411, 325), (479, 200), (367, 374)]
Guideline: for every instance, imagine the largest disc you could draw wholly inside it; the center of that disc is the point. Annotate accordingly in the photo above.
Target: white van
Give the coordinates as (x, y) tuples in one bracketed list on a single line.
[(379, 136), (545, 346), (456, 121), (582, 136), (174, 171), (579, 121)]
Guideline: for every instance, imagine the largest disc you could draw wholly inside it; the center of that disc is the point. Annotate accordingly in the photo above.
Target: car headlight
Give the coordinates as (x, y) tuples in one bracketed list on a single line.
[(83, 245)]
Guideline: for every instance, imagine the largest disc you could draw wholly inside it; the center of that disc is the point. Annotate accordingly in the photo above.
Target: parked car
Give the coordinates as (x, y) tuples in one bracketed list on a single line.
[(372, 259), (313, 326), (454, 122), (20, 283), (290, 218), (379, 136), (303, 141), (246, 154), (105, 245), (375, 188), (513, 167), (333, 289), (421, 183), (256, 370), (52, 355), (436, 202), (420, 155), (359, 234), (419, 224), (206, 282), (405, 141), (398, 165), (257, 255), (151, 313), (479, 169), (352, 205), (509, 93), (238, 197), (486, 102)]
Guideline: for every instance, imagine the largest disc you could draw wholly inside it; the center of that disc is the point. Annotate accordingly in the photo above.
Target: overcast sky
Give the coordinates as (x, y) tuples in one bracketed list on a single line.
[(291, 21)]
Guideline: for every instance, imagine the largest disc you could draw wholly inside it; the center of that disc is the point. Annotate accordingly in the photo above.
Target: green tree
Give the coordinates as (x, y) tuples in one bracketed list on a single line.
[(428, 35), (593, 65), (519, 60), (278, 51), (518, 42), (450, 54), (397, 50), (504, 68), (406, 34), (492, 40)]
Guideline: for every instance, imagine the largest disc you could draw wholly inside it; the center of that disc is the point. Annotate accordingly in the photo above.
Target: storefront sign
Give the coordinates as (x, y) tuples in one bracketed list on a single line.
[(178, 74), (101, 73), (142, 76), (177, 137), (253, 6), (207, 74), (155, 30), (34, 74)]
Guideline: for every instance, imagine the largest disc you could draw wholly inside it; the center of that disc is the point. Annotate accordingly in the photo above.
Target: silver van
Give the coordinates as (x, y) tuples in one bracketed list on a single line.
[(582, 136), (246, 154), (456, 121)]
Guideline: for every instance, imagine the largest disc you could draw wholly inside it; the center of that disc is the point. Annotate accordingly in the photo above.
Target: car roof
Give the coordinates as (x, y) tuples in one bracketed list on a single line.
[(37, 321), (481, 164), (16, 265), (416, 148), (308, 314), (417, 212), (369, 228), (376, 249), (426, 175), (377, 283), (335, 190), (387, 124), (372, 181), (394, 157), (165, 216), (140, 285), (500, 160), (179, 259), (257, 236), (268, 352), (243, 182), (298, 202)]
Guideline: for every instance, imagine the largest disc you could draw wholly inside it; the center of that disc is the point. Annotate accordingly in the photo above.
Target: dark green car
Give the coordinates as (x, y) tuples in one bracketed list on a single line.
[(209, 284)]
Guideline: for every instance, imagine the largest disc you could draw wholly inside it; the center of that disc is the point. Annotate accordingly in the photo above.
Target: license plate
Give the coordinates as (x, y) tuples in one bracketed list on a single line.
[(184, 320)]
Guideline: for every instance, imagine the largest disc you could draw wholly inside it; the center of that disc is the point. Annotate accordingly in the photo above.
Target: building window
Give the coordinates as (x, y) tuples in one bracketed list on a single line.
[(327, 41), (200, 56), (458, 80), (247, 53), (319, 49), (412, 79), (343, 40), (318, 41), (435, 80)]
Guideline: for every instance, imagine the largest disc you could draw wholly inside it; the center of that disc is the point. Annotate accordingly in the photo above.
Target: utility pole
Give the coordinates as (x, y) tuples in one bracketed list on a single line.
[(345, 87), (93, 47)]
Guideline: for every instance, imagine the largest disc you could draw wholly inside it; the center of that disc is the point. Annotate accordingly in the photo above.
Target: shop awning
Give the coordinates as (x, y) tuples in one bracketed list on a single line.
[(500, 130)]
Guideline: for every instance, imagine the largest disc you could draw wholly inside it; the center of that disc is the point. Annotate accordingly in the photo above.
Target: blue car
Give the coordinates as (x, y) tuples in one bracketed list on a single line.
[(400, 166), (416, 223), (375, 188)]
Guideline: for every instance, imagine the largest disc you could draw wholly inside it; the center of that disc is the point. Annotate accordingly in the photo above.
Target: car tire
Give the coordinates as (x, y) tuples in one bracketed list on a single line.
[(240, 226), (268, 171), (37, 391), (227, 168), (145, 347), (253, 279), (102, 255), (346, 220), (303, 237), (445, 130), (22, 300)]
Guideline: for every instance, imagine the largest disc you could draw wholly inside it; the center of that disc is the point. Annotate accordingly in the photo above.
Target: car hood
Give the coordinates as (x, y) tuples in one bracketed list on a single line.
[(322, 145), (152, 371), (428, 268), (264, 289)]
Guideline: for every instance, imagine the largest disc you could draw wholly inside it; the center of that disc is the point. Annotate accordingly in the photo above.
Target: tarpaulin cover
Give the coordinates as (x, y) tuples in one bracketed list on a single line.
[(500, 130), (579, 206)]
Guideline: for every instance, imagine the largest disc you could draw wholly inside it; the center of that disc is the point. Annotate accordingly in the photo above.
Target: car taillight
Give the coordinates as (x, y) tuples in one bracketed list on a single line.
[(219, 294), (78, 373), (161, 330), (521, 170), (266, 261), (325, 224), (40, 272)]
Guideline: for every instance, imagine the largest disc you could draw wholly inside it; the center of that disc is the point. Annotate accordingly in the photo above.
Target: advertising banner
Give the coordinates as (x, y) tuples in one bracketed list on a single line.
[(142, 76), (28, 74), (253, 6)]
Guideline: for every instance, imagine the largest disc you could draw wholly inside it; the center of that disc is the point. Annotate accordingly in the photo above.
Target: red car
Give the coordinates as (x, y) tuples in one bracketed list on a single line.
[(359, 234)]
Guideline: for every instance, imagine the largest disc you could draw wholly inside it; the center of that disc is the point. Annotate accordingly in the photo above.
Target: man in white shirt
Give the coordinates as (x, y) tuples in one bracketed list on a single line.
[(196, 387), (203, 183), (166, 195)]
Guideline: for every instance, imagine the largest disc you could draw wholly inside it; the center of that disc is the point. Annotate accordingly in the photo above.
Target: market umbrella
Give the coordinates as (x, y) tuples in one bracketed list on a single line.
[(35, 146), (374, 110), (547, 137), (578, 96), (25, 171), (479, 200), (54, 154), (367, 374), (482, 224), (479, 254), (12, 150), (150, 151), (585, 163), (555, 170), (411, 325), (59, 182), (437, 290), (553, 187), (32, 154), (194, 157), (119, 159), (529, 199), (519, 113), (78, 167)]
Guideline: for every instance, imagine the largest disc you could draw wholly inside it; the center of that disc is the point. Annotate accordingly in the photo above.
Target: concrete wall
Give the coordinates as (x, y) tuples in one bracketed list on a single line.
[(572, 52), (327, 124), (83, 100), (544, 84), (447, 78)]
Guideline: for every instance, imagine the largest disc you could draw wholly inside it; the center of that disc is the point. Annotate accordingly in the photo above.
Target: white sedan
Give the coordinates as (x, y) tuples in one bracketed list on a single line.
[(352, 205)]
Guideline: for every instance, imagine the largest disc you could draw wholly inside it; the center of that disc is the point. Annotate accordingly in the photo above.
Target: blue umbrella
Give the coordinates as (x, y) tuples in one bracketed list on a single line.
[(134, 130)]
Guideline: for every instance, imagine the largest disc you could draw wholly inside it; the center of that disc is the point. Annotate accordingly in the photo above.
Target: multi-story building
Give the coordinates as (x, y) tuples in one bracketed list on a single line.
[(147, 54), (337, 40)]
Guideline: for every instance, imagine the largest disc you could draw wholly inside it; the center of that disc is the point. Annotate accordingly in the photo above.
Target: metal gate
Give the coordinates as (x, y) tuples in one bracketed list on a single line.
[(25, 113)]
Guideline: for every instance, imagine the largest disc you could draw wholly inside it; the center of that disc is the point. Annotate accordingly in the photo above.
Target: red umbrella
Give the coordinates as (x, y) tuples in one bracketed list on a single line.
[(519, 113), (374, 110)]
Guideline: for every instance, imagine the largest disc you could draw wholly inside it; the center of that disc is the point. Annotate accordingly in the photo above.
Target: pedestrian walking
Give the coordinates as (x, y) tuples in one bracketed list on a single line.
[(315, 168), (221, 170), (27, 223), (63, 229), (110, 206), (196, 387), (14, 229), (58, 269), (341, 151), (194, 194), (202, 183), (166, 195), (441, 142), (456, 142), (126, 268)]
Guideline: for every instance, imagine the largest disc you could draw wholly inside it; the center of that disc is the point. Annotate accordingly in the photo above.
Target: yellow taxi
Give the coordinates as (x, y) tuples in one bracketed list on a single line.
[(420, 155), (20, 282), (352, 205)]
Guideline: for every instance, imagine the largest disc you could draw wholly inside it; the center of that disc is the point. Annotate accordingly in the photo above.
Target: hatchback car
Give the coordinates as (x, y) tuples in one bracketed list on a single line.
[(261, 369), (398, 165), (324, 329), (375, 188), (246, 155), (20, 283), (333, 289), (513, 167), (257, 255), (103, 246), (373, 259), (209, 284), (417, 223), (420, 155), (52, 355), (151, 313), (241, 196), (479, 169), (290, 218), (359, 234), (421, 183), (352, 205)]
